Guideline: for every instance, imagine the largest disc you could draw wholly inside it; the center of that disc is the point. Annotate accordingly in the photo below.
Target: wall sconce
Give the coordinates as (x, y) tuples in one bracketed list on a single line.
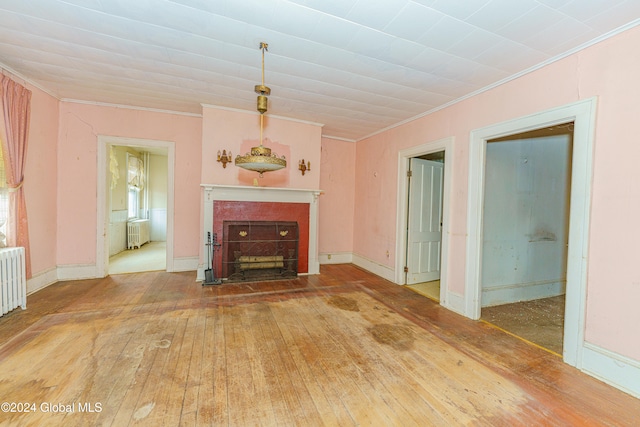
[(224, 158), (304, 167)]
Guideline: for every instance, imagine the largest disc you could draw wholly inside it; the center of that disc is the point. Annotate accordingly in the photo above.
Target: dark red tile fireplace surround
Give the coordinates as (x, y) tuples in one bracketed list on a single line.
[(263, 211)]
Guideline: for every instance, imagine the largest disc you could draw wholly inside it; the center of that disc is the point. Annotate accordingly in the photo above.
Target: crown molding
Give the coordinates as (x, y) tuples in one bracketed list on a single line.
[(130, 107), (25, 81), (338, 138)]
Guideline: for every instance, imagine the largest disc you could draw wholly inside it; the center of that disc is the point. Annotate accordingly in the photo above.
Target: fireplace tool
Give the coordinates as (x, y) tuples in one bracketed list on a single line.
[(209, 273)]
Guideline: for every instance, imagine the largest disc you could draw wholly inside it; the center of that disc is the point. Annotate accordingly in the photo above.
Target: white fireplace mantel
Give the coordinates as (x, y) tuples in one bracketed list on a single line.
[(213, 192), (239, 193)]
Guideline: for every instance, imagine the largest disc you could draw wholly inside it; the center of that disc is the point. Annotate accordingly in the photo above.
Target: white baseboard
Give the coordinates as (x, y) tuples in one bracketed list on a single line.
[(612, 368), (373, 267), (90, 271), (454, 302), (42, 280), (335, 258), (185, 264), (77, 272), (521, 292)]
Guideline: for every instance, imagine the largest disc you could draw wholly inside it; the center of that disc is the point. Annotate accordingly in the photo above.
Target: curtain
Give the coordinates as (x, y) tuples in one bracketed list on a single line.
[(113, 168), (135, 176), (14, 129)]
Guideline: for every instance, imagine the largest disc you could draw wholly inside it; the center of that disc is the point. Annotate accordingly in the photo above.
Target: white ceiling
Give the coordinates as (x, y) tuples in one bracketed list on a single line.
[(356, 66)]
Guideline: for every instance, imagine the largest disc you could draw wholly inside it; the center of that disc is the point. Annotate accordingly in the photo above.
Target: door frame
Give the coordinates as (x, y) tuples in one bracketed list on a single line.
[(582, 113), (102, 237), (446, 145)]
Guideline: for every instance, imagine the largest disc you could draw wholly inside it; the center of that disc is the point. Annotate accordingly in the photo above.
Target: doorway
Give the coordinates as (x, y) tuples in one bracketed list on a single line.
[(424, 186), (155, 249), (137, 209), (525, 233), (424, 224), (582, 114)]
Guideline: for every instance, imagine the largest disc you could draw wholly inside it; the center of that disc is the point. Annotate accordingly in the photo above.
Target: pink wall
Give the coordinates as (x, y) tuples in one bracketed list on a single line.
[(375, 200), (608, 70), (41, 180), (336, 206), (80, 126), (238, 131)]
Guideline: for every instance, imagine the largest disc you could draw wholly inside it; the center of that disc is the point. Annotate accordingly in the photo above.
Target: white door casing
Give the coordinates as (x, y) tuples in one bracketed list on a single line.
[(404, 156), (582, 113), (102, 238)]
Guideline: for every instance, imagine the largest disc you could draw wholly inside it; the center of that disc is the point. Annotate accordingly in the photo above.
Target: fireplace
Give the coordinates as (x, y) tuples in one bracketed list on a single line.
[(252, 204), (259, 250)]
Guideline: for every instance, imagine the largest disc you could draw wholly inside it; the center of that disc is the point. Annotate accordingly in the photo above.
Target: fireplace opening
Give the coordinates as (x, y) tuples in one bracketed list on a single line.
[(259, 250)]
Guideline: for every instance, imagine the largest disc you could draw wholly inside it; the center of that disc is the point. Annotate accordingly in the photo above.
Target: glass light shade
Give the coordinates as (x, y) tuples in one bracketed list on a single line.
[(261, 160)]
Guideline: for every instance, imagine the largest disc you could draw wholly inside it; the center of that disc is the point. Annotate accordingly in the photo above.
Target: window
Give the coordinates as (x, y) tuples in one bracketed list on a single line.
[(133, 202), (135, 182)]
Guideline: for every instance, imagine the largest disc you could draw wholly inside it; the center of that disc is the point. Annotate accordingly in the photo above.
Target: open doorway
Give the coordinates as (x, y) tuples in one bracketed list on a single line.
[(422, 237), (157, 208), (424, 224), (582, 114), (137, 209), (525, 233)]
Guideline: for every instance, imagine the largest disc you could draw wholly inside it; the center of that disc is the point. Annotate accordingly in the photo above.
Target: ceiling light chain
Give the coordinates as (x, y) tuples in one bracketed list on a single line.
[(264, 47)]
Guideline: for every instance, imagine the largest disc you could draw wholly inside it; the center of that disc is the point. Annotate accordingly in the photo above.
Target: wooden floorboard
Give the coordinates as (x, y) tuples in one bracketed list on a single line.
[(342, 348)]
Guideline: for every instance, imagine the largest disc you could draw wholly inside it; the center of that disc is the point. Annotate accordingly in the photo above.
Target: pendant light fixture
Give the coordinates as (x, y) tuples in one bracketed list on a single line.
[(261, 159)]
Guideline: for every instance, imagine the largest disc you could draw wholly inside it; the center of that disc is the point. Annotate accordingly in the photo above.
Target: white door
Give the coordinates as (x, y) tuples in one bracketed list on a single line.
[(424, 233)]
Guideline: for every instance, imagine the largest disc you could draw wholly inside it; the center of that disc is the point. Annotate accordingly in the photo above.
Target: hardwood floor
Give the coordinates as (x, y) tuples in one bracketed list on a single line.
[(341, 348)]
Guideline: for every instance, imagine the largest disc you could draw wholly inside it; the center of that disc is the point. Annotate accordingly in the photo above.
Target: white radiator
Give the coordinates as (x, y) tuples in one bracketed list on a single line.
[(137, 233), (13, 280)]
